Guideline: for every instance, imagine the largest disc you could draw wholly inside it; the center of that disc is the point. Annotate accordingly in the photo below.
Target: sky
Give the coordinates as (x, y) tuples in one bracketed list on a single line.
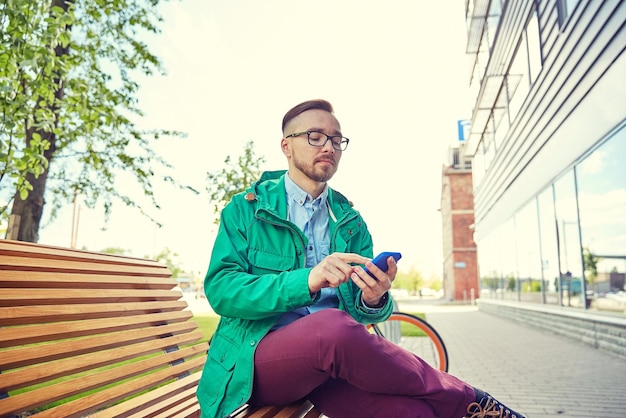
[(395, 72)]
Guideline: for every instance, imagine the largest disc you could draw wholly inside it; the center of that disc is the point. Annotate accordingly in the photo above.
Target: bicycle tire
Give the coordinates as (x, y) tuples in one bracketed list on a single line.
[(401, 328)]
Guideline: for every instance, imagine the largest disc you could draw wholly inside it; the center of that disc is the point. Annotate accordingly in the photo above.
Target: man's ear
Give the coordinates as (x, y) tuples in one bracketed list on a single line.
[(284, 146)]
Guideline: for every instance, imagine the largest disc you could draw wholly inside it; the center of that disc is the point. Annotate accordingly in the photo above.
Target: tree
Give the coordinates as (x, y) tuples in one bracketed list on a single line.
[(170, 259), (411, 281), (590, 263), (235, 178), (166, 256), (67, 103), (512, 283), (114, 250)]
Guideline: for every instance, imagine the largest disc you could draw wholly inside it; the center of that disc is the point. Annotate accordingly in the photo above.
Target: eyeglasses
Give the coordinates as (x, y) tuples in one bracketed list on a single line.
[(319, 139)]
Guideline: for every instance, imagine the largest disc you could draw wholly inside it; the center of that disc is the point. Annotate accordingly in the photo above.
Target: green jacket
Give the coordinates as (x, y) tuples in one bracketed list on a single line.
[(257, 273)]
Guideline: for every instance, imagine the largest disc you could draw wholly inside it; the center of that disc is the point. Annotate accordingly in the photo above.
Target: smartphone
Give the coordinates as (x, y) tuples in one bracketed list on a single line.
[(381, 260)]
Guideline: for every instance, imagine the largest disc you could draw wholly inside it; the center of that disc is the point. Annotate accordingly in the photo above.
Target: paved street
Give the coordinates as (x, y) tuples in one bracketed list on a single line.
[(533, 371), (536, 373)]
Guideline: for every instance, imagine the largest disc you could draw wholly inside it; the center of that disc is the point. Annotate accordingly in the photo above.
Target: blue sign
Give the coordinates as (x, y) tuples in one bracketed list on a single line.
[(463, 126)]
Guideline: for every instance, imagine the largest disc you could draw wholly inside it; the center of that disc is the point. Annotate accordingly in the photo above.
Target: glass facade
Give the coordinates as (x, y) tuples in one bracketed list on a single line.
[(602, 211), (517, 82), (567, 245), (548, 145)]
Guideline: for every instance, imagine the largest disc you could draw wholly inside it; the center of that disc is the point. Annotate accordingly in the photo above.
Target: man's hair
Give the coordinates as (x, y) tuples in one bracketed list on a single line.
[(303, 107)]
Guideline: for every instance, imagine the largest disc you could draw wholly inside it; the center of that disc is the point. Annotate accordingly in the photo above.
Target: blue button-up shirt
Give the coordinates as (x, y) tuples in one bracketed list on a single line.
[(311, 216)]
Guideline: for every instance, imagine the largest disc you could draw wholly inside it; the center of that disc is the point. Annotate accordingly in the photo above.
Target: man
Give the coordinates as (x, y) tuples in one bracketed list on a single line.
[(286, 277)]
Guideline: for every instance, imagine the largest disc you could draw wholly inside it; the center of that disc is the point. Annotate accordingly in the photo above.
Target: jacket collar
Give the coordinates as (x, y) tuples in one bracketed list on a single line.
[(269, 191)]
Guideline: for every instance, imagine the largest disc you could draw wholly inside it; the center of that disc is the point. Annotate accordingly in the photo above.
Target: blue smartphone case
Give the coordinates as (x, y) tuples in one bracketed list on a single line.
[(381, 260)]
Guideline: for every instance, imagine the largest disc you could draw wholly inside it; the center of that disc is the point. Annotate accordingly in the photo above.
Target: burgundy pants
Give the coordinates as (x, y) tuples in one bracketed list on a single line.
[(348, 372)]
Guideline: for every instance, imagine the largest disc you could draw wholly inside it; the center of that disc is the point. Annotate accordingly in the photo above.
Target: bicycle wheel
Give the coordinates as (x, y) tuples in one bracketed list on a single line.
[(415, 335)]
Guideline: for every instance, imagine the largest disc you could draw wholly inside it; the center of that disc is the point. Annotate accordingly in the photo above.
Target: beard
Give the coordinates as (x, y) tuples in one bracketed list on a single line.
[(317, 172)]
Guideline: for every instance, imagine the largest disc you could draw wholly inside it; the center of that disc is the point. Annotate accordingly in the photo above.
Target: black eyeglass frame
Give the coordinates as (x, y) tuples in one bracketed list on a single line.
[(341, 146)]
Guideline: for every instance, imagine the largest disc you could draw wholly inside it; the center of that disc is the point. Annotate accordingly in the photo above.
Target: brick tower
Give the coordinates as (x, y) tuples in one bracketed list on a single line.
[(460, 266)]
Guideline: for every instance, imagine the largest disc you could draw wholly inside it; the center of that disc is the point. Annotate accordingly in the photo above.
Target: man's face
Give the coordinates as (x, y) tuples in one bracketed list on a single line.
[(315, 163)]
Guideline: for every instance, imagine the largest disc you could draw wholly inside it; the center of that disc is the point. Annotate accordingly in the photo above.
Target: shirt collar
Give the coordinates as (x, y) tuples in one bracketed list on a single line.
[(299, 196)]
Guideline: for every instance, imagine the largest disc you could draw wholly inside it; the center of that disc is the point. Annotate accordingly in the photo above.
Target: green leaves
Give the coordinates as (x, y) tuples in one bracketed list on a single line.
[(67, 100), (223, 184), (29, 79)]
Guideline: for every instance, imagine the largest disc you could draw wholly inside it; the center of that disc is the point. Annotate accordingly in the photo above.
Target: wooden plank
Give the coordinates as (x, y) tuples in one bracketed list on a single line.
[(17, 262), (22, 356), (314, 413), (66, 367), (25, 356), (86, 266), (25, 296), (45, 279), (299, 409), (40, 314), (296, 409), (154, 402), (188, 414), (32, 250), (12, 336), (42, 396), (257, 412), (182, 409), (79, 407)]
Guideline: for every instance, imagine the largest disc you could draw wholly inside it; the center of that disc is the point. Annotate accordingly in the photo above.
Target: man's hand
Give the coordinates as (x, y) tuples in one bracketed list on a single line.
[(373, 289), (334, 270)]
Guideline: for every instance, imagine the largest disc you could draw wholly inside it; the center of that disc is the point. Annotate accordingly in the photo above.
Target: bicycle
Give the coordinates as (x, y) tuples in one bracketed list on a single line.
[(415, 335)]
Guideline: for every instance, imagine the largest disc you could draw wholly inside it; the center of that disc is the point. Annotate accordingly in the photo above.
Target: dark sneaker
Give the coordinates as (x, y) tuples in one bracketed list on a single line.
[(487, 406)]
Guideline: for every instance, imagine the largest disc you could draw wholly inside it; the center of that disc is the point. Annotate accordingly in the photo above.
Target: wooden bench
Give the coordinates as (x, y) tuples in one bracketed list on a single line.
[(99, 335)]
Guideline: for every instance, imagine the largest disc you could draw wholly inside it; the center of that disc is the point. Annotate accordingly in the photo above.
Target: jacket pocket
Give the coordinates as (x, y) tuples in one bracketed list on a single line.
[(218, 369), (265, 262)]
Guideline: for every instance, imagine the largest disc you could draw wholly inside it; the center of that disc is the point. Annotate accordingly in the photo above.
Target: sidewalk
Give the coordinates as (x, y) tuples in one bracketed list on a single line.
[(532, 371)]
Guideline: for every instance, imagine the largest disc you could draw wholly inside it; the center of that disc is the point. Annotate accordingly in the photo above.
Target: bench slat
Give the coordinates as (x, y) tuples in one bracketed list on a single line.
[(42, 396), (183, 409), (79, 266), (29, 355), (190, 413), (296, 409), (31, 251), (45, 279), (76, 364), (39, 314), (24, 297), (156, 401), (12, 336), (93, 401)]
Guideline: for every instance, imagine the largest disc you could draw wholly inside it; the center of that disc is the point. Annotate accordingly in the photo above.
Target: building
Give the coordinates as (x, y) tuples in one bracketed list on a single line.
[(460, 265), (548, 144)]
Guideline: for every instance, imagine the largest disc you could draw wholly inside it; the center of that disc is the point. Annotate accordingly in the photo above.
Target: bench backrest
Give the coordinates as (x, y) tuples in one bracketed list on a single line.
[(92, 333)]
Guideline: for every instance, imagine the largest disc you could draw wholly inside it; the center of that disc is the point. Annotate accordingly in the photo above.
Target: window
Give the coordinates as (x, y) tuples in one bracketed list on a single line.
[(602, 202), (564, 9), (533, 42), (478, 166), (490, 148), (497, 261), (548, 246), (525, 67), (495, 11), (517, 83), (528, 254), (568, 233), (501, 122)]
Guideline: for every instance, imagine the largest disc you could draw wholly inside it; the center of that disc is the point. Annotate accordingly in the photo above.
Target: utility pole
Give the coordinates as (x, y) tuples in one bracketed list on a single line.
[(75, 219)]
